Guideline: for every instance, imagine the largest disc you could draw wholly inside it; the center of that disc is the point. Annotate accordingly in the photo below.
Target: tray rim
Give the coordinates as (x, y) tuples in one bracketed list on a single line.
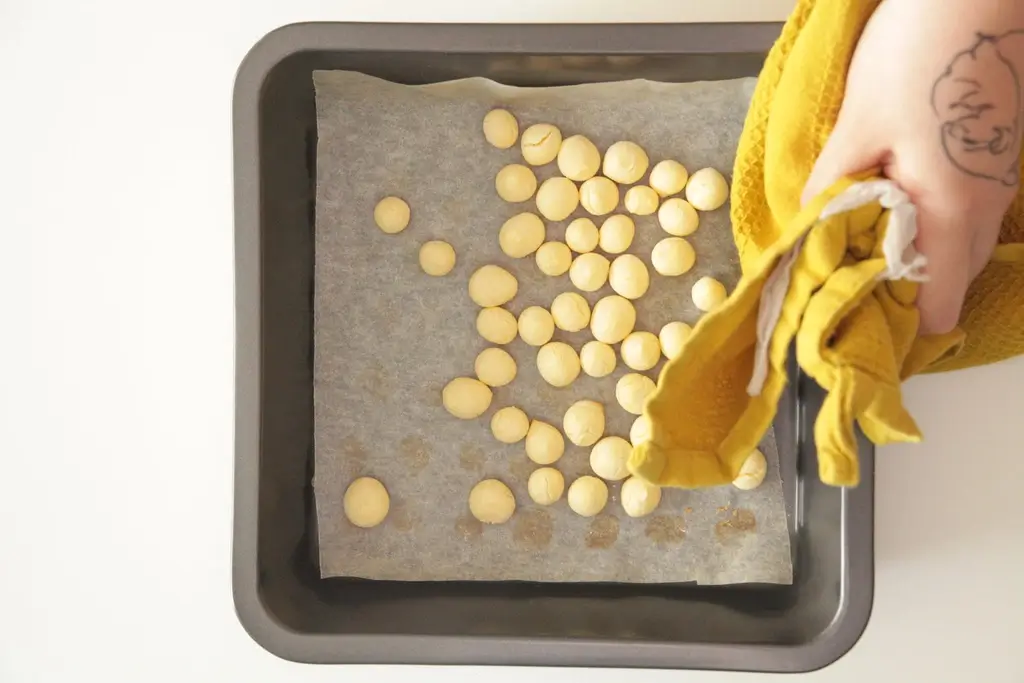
[(857, 505)]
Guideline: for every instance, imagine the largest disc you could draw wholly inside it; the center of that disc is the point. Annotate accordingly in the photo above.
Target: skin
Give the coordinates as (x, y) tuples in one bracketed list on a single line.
[(933, 98)]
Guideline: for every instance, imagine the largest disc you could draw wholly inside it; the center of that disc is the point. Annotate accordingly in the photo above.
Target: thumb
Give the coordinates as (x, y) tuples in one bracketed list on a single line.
[(845, 153)]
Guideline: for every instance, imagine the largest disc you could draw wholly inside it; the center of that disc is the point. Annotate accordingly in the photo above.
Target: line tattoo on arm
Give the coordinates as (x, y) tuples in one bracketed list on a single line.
[(977, 100)]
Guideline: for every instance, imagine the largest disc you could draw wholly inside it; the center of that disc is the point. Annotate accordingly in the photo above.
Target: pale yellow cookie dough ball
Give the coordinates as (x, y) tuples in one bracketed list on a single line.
[(521, 235), (640, 431), (708, 294), (492, 502), (496, 325), (582, 235), (510, 425), (495, 367), (391, 215), (612, 319), (641, 200), (515, 183), (752, 473), (599, 196), (589, 272), (540, 144), (545, 485), (570, 311), (578, 158), (673, 256), (437, 258), (536, 326), (707, 190), (583, 422), (609, 456), (587, 496), (554, 258), (366, 502), (544, 443), (640, 351), (673, 337), (625, 162), (678, 217), (557, 198), (466, 398), (628, 276), (492, 285), (632, 392), (597, 359), (639, 498), (558, 363), (668, 177), (617, 234), (501, 128)]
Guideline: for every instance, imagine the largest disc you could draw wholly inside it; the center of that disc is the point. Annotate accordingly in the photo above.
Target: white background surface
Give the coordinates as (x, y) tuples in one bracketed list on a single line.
[(116, 389)]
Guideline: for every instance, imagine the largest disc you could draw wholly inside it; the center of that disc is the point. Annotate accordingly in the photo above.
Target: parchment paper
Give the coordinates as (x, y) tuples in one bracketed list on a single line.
[(388, 338)]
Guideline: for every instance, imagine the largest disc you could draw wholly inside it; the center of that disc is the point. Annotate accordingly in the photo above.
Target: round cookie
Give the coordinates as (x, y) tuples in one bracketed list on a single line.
[(678, 217), (545, 485), (612, 319), (673, 256), (366, 502), (589, 272), (510, 425), (597, 359), (752, 472), (668, 177), (707, 190), (639, 498), (515, 183), (544, 443), (492, 285), (578, 158), (557, 198), (554, 258), (391, 215), (708, 294), (609, 456), (492, 502), (583, 422), (640, 431), (632, 392), (672, 338), (466, 398), (599, 196), (521, 235), (587, 496), (495, 367), (628, 276), (641, 200), (496, 325), (640, 351), (616, 234), (570, 312), (536, 326), (501, 128), (582, 235), (437, 258), (540, 143), (625, 162), (558, 364)]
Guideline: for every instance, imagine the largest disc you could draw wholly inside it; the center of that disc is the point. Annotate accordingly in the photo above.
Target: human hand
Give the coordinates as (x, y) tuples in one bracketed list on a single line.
[(937, 108)]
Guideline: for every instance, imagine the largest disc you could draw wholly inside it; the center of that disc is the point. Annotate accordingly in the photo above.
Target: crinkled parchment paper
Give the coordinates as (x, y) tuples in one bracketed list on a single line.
[(388, 337)]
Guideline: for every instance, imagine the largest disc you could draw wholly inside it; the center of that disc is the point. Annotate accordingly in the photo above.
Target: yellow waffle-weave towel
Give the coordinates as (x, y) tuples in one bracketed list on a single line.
[(835, 280)]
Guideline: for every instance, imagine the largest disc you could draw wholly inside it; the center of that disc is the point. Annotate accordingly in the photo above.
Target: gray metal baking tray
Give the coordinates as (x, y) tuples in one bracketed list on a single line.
[(281, 599)]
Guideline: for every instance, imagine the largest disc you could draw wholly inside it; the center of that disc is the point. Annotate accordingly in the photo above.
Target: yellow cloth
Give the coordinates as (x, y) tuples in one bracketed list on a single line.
[(854, 334)]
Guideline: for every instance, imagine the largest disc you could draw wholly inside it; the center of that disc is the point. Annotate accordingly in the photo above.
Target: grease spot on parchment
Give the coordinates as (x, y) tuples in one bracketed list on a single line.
[(471, 458), (736, 525), (603, 533), (416, 453), (521, 467), (533, 529), (468, 527), (401, 517), (666, 529), (353, 456)]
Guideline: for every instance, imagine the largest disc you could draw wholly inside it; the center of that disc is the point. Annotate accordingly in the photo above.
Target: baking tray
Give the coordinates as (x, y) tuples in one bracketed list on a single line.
[(279, 595)]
